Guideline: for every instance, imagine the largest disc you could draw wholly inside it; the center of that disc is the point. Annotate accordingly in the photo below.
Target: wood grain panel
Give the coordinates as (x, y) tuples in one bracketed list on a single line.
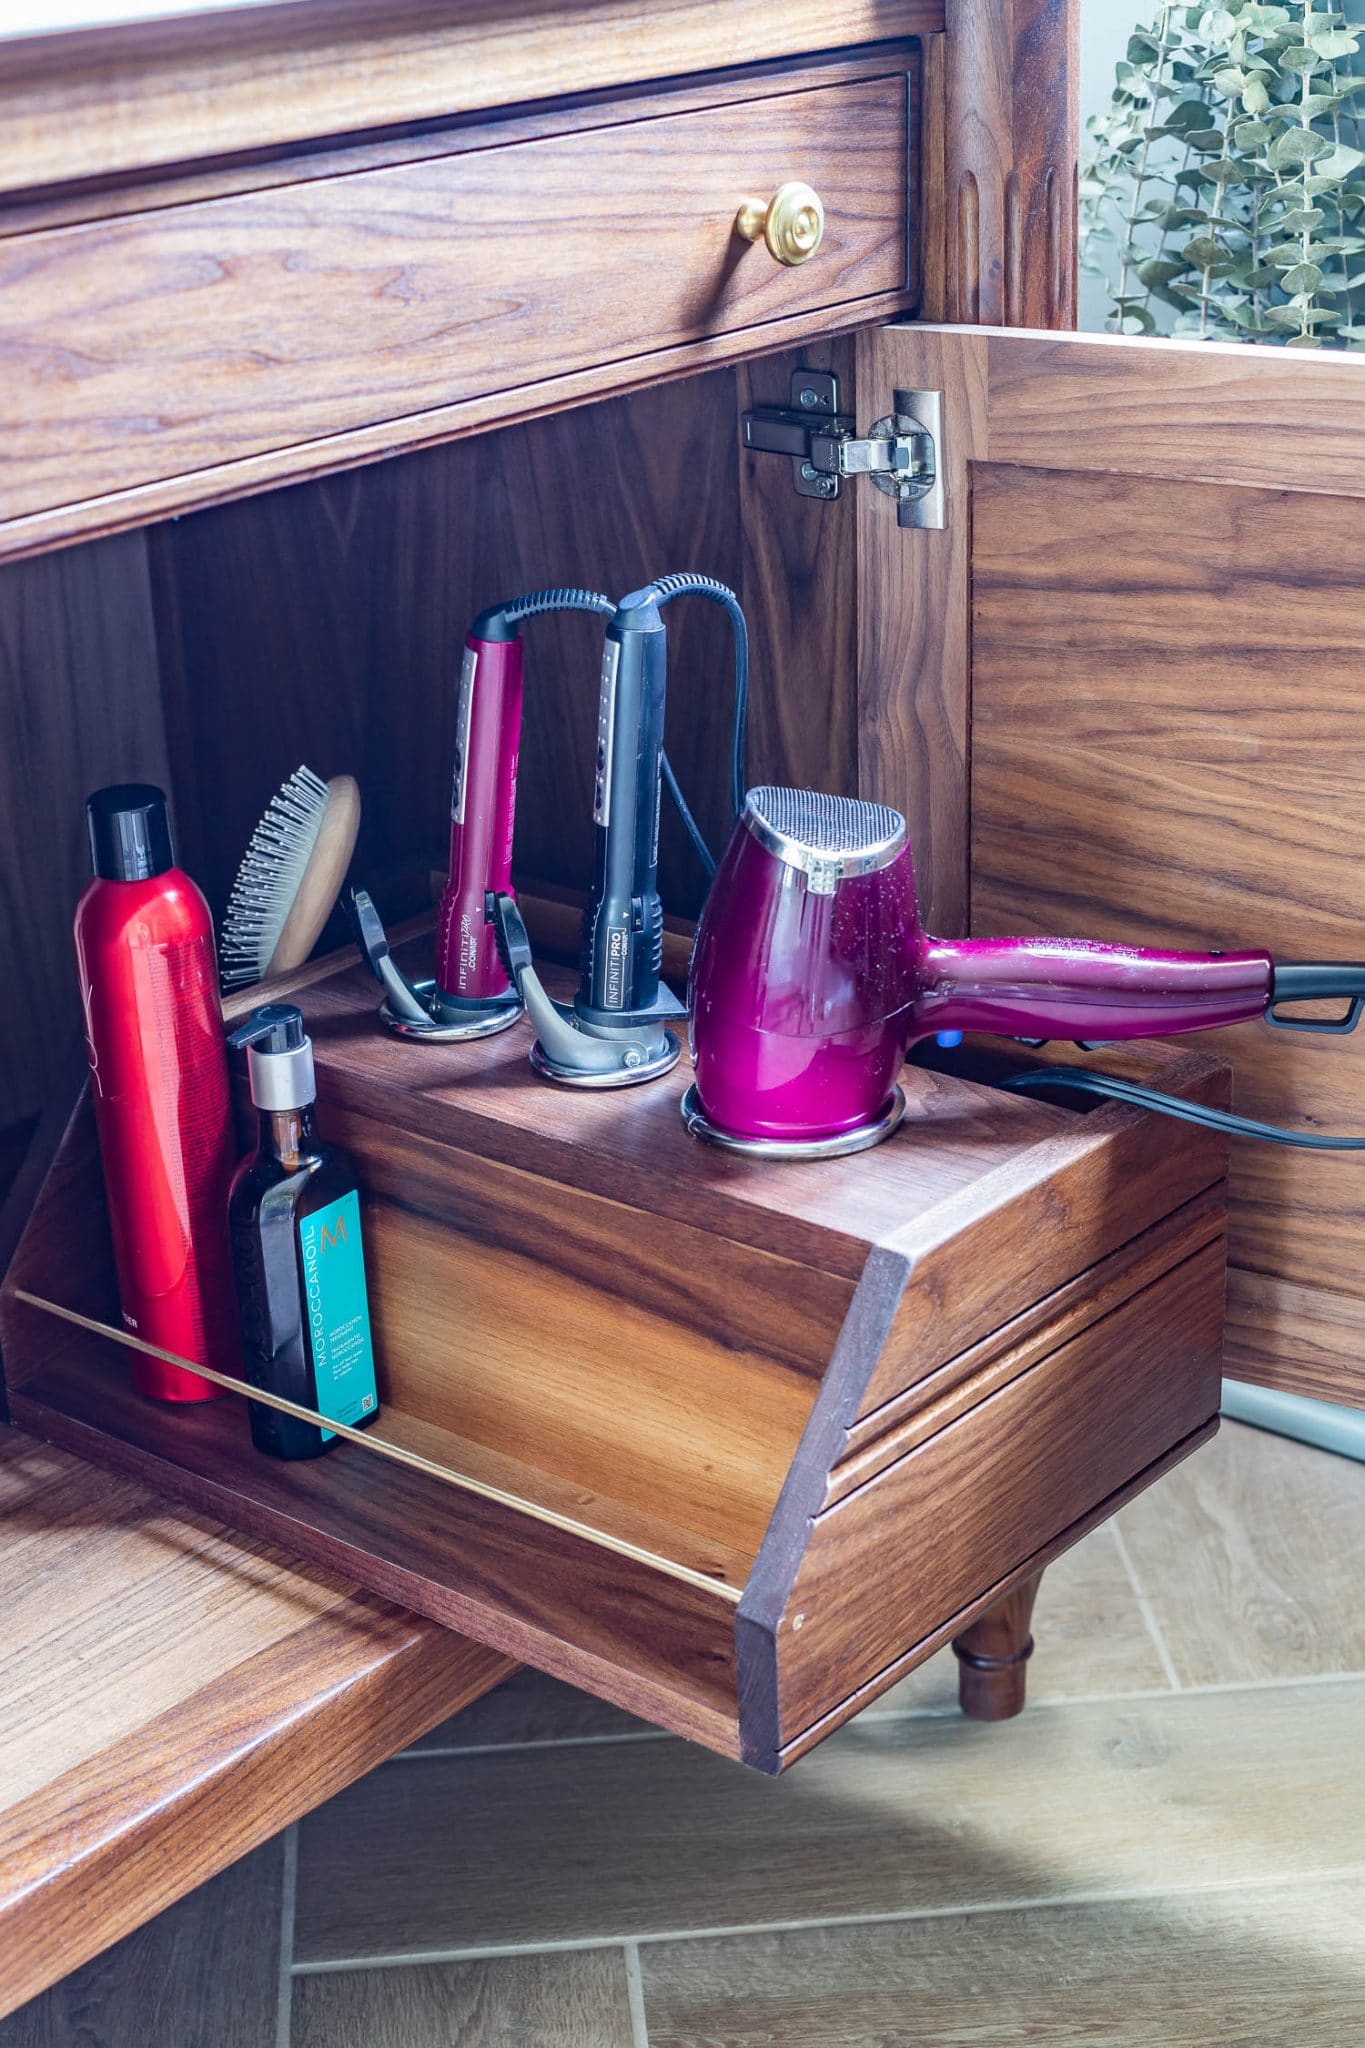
[(1066, 1199), (1158, 671), (978, 1498), (78, 679), (172, 1696), (125, 99), (1169, 753), (1193, 411), (302, 311)]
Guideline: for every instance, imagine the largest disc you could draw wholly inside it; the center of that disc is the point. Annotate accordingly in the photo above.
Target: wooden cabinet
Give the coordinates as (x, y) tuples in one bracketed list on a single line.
[(399, 319)]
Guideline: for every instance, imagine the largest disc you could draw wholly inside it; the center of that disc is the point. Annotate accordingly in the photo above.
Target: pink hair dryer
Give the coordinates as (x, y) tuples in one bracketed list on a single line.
[(812, 976)]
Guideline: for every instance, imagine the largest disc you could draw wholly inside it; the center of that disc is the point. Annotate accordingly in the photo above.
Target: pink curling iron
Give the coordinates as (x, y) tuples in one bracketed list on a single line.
[(812, 975), (470, 995)]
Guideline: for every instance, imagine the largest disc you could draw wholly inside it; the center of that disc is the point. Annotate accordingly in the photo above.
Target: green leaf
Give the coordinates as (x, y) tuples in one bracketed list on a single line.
[(1304, 277), (1251, 134), (1339, 163), (1224, 170), (1205, 138), (1298, 58), (1204, 251), (1142, 46), (1255, 98), (1216, 24), (1158, 270), (1137, 320), (1300, 221), (1299, 146), (1187, 114), (1335, 42)]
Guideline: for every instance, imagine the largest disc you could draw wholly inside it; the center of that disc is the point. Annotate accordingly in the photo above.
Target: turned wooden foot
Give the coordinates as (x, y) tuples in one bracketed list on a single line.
[(993, 1655)]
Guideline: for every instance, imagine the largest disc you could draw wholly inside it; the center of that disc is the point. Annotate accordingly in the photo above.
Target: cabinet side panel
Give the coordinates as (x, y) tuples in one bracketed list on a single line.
[(886, 1566)]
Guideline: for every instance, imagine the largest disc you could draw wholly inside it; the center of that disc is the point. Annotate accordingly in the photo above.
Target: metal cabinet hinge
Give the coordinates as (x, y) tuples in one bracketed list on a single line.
[(903, 453)]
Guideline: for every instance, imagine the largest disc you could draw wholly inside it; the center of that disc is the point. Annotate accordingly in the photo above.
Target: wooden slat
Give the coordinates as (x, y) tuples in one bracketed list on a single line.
[(173, 1695), (114, 101)]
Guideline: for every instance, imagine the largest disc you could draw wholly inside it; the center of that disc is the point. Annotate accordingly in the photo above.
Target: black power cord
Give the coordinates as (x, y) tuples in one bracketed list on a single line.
[(691, 585), (1118, 1090)]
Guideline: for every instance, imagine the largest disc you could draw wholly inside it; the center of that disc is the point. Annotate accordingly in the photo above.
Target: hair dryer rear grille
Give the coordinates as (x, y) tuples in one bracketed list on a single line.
[(824, 836)]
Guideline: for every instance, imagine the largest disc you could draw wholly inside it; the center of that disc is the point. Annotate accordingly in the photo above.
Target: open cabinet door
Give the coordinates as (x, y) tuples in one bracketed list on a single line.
[(1122, 694)]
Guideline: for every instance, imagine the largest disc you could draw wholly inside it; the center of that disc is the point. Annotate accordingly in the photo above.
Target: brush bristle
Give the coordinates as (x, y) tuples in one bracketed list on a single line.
[(268, 880)]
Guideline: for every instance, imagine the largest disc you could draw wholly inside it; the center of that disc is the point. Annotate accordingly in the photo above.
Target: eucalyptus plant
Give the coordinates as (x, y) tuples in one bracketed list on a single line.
[(1227, 179)]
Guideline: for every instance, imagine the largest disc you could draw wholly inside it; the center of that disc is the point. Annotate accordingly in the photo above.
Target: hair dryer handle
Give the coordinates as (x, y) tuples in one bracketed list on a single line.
[(1077, 988)]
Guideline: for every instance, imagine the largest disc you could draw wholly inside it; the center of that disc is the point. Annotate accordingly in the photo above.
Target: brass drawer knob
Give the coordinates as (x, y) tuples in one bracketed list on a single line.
[(792, 222)]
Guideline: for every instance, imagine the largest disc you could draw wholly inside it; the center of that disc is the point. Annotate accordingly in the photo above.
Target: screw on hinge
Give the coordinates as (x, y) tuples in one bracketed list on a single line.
[(808, 397)]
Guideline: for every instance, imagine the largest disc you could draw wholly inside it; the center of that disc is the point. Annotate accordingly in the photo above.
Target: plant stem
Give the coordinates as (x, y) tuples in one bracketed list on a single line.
[(1139, 176)]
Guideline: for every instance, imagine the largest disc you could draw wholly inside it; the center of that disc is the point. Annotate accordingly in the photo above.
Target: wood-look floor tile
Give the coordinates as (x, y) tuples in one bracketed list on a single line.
[(555, 2001), (891, 1815), (1252, 1557), (203, 1974), (529, 1707), (1089, 1636), (1228, 1969)]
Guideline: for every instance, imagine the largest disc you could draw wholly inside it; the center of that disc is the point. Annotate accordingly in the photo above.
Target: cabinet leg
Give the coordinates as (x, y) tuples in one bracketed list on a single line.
[(993, 1656)]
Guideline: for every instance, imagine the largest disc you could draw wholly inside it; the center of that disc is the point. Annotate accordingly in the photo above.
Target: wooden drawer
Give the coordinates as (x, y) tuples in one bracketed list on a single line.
[(409, 299), (626, 1379)]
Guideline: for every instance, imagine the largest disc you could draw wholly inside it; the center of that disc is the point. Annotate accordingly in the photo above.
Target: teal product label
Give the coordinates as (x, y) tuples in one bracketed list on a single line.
[(338, 1312)]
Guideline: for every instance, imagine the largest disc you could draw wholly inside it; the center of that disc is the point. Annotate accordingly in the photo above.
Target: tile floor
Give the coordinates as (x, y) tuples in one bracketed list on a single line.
[(1168, 1848)]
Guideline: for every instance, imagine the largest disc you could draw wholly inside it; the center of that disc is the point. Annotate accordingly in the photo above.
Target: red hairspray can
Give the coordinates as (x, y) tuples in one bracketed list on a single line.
[(159, 1080)]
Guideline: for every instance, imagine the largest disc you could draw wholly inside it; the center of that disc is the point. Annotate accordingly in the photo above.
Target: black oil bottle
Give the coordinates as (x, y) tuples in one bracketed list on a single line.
[(294, 1216)]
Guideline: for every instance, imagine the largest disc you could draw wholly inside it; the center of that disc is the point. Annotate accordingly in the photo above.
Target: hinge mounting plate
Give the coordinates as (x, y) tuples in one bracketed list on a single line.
[(902, 453)]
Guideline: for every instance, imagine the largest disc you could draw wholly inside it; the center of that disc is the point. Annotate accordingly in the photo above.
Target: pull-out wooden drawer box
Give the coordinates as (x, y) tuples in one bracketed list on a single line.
[(731, 1443)]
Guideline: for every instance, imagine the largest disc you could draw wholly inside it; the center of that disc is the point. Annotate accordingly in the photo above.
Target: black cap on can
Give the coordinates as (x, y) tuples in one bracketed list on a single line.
[(130, 833)]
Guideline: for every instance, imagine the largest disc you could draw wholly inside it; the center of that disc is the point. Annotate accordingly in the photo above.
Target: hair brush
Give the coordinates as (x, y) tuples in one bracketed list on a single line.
[(290, 877)]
